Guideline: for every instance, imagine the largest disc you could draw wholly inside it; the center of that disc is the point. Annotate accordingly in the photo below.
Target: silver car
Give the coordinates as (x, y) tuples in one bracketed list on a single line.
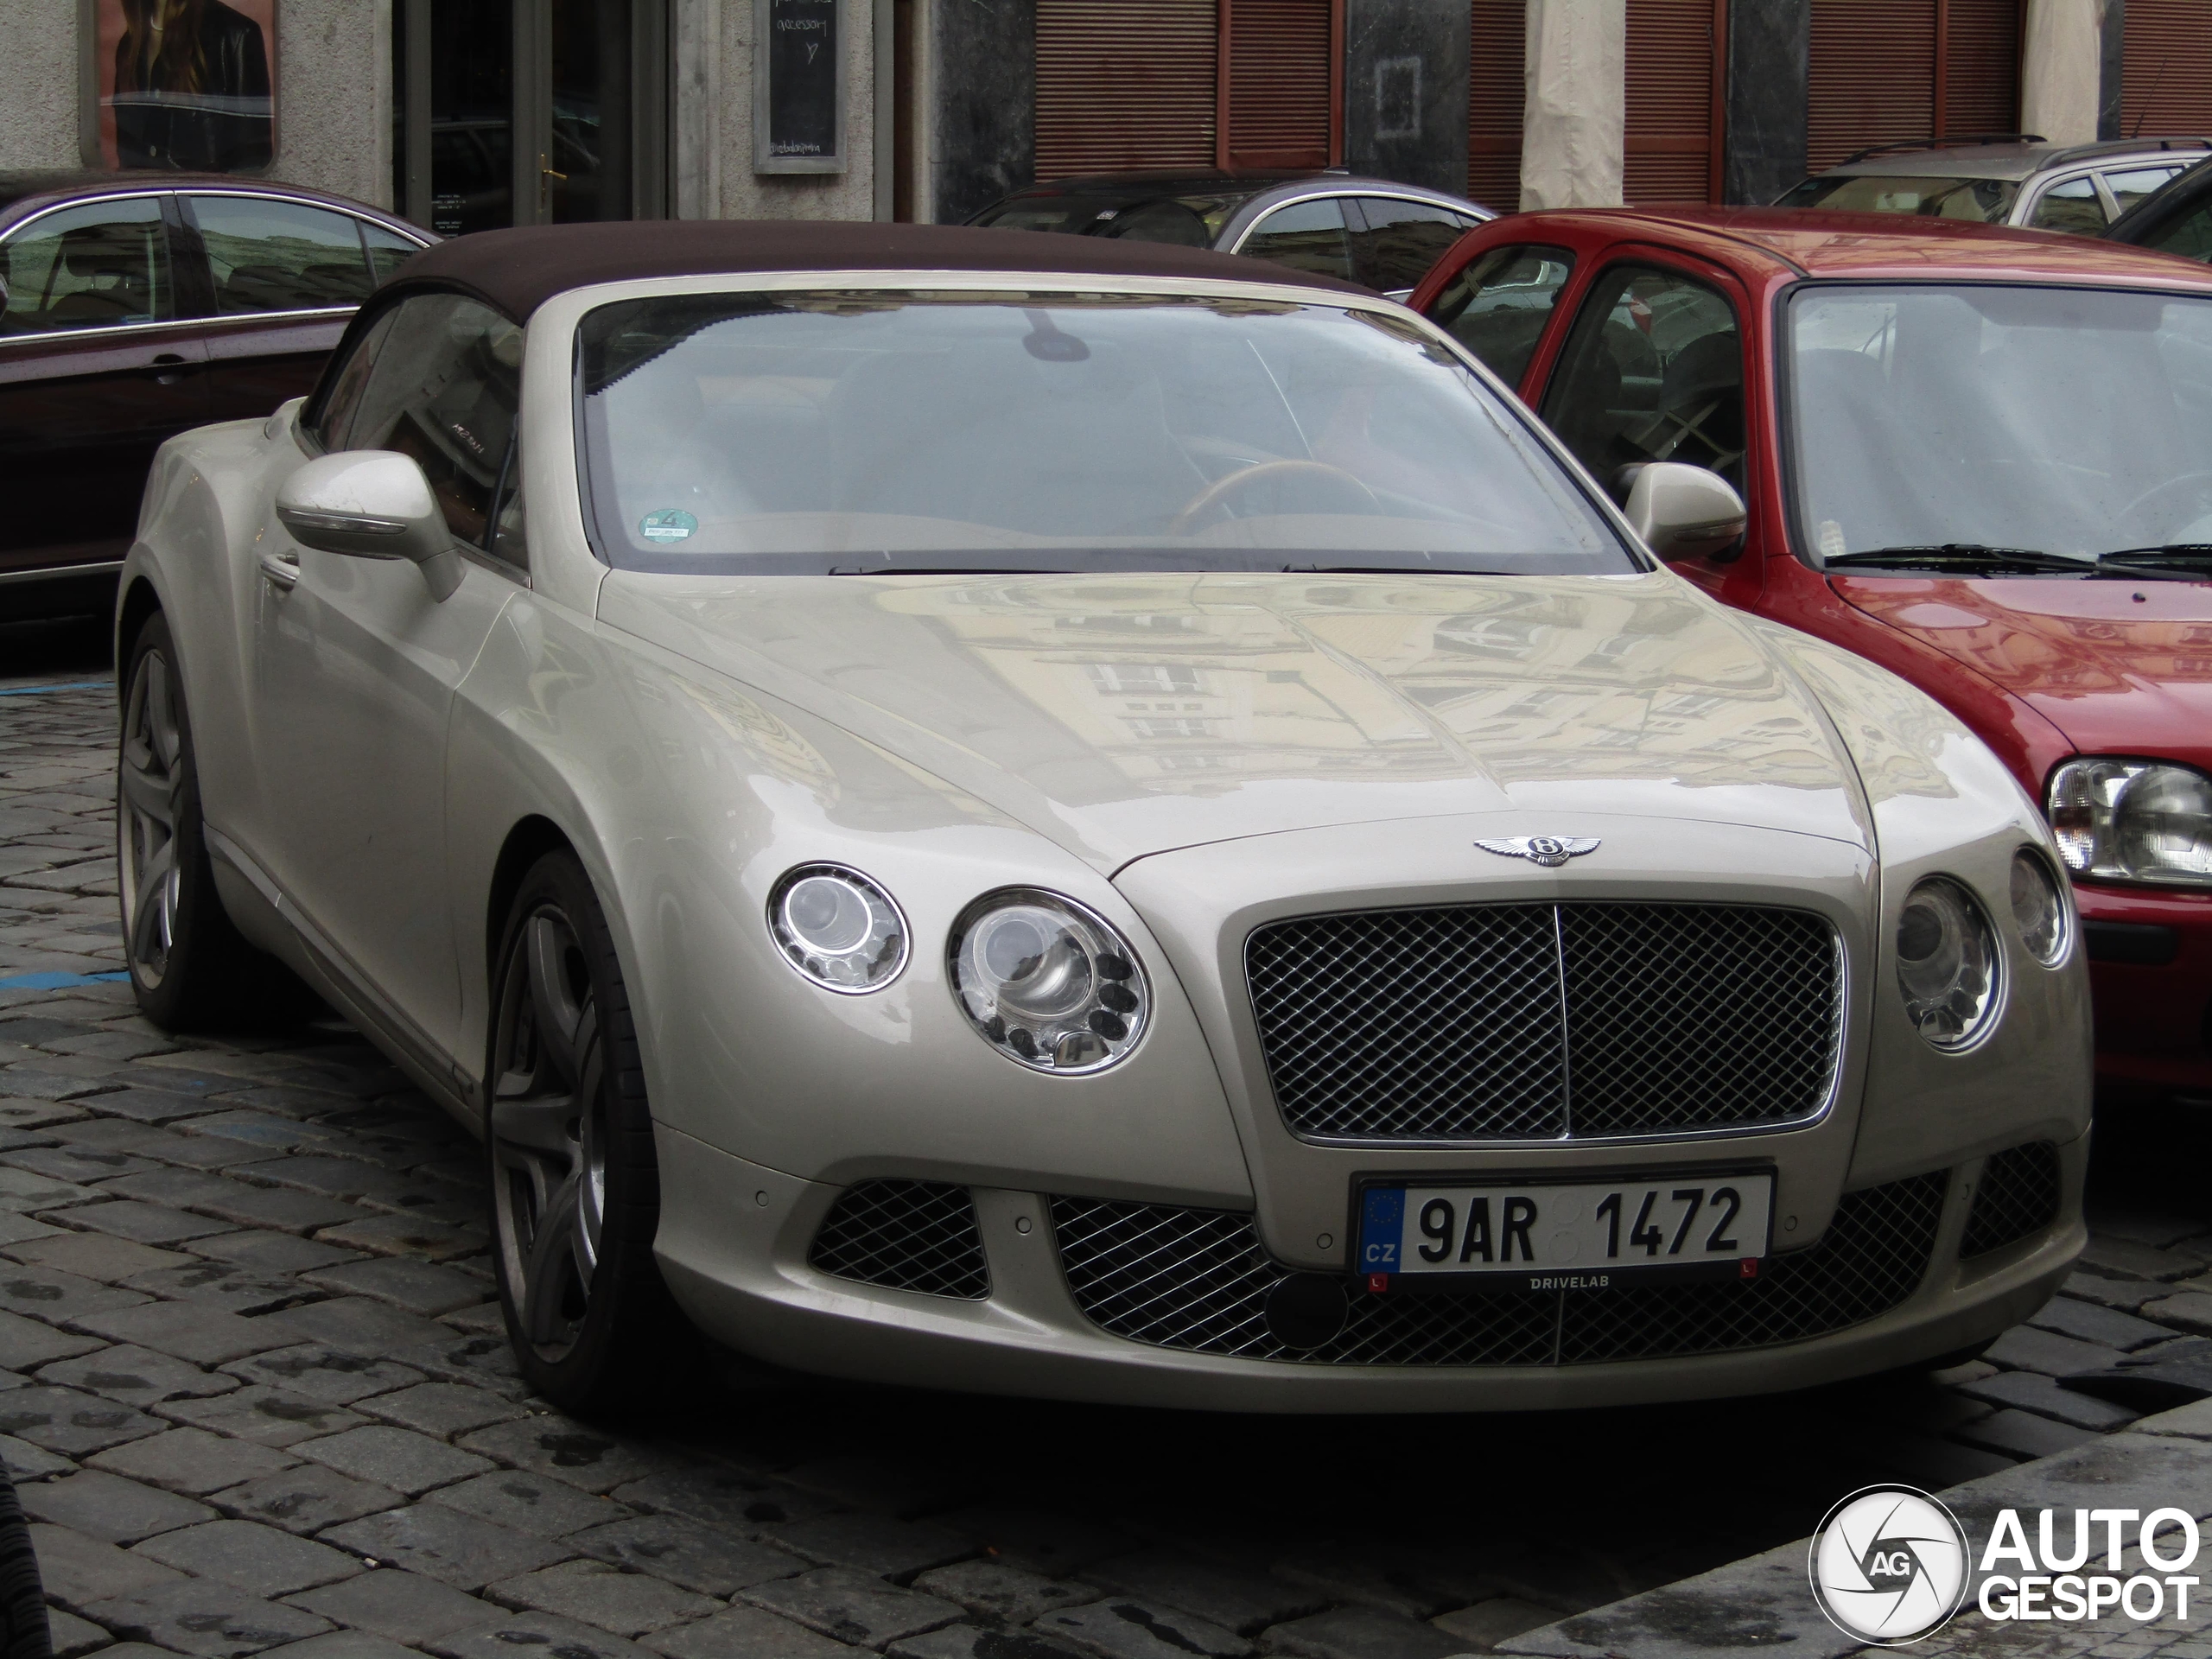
[(2025, 180), (1087, 819)]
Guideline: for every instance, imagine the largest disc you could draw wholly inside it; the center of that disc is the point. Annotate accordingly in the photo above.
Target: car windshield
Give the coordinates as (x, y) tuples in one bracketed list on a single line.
[(1056, 431), (1985, 202), (1189, 219), (2064, 421)]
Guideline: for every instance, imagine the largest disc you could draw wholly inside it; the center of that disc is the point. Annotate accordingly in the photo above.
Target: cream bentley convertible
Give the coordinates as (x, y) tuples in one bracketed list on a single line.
[(1087, 819)]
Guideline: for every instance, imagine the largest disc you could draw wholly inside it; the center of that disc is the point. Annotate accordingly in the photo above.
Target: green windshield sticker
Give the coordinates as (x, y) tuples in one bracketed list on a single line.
[(668, 525)]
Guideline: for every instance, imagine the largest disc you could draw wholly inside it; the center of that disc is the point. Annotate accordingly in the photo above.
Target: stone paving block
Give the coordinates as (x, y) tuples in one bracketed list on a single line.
[(257, 1129), (275, 1208), (979, 1642), (266, 1560), (26, 1344), (76, 1425), (357, 1325), (1045, 1541), (747, 1633), (871, 1543), (459, 1549), (206, 1335), (324, 1372), (351, 1179), (1244, 1602), (68, 1636), (78, 1571), (697, 1557), (2023, 1434), (204, 1617), (1119, 1628), (23, 1461), (107, 1506), (18, 1229), (404, 1606), (484, 1362), (1001, 1594), (2192, 1421), (415, 1285), (305, 1499), (2026, 1348), (2119, 1258), (82, 1165), (270, 1416), (440, 1408), (2190, 1310), (52, 1084), (2143, 1226), (59, 1298), (191, 1461), (175, 1189), (723, 1498), (406, 1235), (486, 1318), (169, 1102), (854, 1607), (866, 1481), (2033, 1391), (398, 1458), (220, 1284), (262, 1251), (530, 1504), (94, 1255), (628, 1603), (340, 1644), (563, 1449), (1360, 1633), (1486, 1624), (137, 1376), (563, 1638), (20, 1113), (2091, 1322)]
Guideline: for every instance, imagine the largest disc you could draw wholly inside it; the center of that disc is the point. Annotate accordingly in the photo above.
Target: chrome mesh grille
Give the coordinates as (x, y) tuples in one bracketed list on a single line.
[(917, 1236), (2017, 1198), (1505, 1023), (1198, 1279)]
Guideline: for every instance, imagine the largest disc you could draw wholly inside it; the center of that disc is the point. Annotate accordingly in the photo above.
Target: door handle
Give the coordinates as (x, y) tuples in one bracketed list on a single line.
[(280, 572), (169, 368)]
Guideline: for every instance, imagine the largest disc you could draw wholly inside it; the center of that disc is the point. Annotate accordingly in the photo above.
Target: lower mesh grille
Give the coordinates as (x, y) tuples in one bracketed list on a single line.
[(2017, 1198), (915, 1236), (1198, 1279)]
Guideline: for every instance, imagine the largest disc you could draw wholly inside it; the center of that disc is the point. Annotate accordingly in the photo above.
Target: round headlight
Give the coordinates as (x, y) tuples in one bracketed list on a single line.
[(2039, 908), (1947, 964), (1047, 982), (2133, 821), (838, 928)]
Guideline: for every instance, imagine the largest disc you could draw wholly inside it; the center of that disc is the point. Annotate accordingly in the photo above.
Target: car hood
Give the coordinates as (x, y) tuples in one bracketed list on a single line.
[(1129, 714), (2119, 667)]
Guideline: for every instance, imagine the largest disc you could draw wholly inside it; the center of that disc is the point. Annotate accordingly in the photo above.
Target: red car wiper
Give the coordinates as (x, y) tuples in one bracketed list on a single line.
[(1970, 555), (2170, 562)]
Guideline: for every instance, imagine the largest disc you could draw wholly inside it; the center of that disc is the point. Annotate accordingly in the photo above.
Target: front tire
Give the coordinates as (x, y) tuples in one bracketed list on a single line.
[(576, 1188)]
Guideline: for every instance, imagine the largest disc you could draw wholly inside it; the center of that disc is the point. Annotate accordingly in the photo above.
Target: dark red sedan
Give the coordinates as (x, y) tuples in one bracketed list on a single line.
[(139, 304), (1980, 457)]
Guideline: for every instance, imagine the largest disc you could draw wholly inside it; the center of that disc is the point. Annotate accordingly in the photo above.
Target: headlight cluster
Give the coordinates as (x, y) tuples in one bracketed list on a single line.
[(1044, 980), (2133, 821), (1950, 967)]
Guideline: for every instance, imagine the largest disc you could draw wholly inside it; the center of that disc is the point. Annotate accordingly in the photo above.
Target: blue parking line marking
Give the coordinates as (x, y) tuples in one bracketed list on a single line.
[(76, 685), (56, 982)]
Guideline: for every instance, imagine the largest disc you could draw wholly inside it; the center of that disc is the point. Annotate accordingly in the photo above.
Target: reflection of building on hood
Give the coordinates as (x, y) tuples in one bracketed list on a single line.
[(190, 87)]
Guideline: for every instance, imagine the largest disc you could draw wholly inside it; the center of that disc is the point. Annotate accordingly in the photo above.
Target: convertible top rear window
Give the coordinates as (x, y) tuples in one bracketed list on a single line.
[(865, 431)]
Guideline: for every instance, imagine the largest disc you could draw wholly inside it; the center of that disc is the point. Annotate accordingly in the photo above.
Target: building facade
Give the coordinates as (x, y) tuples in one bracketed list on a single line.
[(466, 114)]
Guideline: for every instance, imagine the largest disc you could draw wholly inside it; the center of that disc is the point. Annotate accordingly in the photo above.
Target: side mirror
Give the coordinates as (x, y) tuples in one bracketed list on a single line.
[(370, 504), (1683, 510)]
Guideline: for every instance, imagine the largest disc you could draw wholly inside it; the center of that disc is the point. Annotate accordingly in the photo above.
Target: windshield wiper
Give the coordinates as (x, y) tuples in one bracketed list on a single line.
[(1388, 570), (2172, 561), (1966, 556)]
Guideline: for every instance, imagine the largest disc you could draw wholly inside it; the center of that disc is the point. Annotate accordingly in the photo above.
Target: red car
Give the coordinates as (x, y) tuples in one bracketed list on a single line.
[(1980, 457)]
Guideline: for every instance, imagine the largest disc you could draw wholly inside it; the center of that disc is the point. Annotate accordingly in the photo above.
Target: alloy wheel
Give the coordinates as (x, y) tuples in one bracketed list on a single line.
[(151, 794), (548, 1132)]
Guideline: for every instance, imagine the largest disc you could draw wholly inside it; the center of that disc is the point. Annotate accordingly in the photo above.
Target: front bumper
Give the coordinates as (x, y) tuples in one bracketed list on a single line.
[(2150, 980), (734, 1245)]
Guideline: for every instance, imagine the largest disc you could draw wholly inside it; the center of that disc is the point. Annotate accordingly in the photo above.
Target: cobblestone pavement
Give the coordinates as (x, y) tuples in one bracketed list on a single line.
[(255, 1392)]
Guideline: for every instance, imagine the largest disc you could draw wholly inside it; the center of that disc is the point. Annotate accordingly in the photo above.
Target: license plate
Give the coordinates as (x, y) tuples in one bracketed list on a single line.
[(1535, 1236)]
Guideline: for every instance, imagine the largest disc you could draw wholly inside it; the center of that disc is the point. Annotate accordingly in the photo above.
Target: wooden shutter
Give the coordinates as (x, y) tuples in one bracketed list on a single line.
[(2166, 76), (1872, 78), (1125, 84), (1676, 105), (1981, 68), (1280, 100), (1496, 91)]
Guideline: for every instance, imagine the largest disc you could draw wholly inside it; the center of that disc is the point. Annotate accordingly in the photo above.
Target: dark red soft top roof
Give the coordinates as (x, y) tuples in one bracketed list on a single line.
[(519, 270)]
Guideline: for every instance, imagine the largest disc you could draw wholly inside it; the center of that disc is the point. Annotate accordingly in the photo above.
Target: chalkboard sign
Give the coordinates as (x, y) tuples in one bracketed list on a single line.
[(799, 87)]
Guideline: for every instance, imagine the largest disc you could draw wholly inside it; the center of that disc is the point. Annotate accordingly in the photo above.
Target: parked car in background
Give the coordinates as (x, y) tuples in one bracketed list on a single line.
[(1079, 817), (140, 305), (1371, 231), (2020, 179), (2176, 218), (1975, 455)]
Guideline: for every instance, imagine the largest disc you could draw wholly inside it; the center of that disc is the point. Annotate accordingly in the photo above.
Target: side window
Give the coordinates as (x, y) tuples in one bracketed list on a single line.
[(1305, 236), (267, 255), (2188, 234), (335, 424), (1403, 240), (445, 388), (388, 250), (1653, 371), (1497, 306), (2129, 188), (103, 265), (2072, 207)]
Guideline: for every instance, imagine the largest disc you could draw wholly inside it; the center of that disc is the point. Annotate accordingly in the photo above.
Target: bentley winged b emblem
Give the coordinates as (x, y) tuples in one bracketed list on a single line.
[(1550, 851)]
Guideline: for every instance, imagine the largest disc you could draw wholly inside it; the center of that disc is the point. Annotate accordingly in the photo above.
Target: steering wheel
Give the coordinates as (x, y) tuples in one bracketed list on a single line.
[(2201, 482), (1222, 489)]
